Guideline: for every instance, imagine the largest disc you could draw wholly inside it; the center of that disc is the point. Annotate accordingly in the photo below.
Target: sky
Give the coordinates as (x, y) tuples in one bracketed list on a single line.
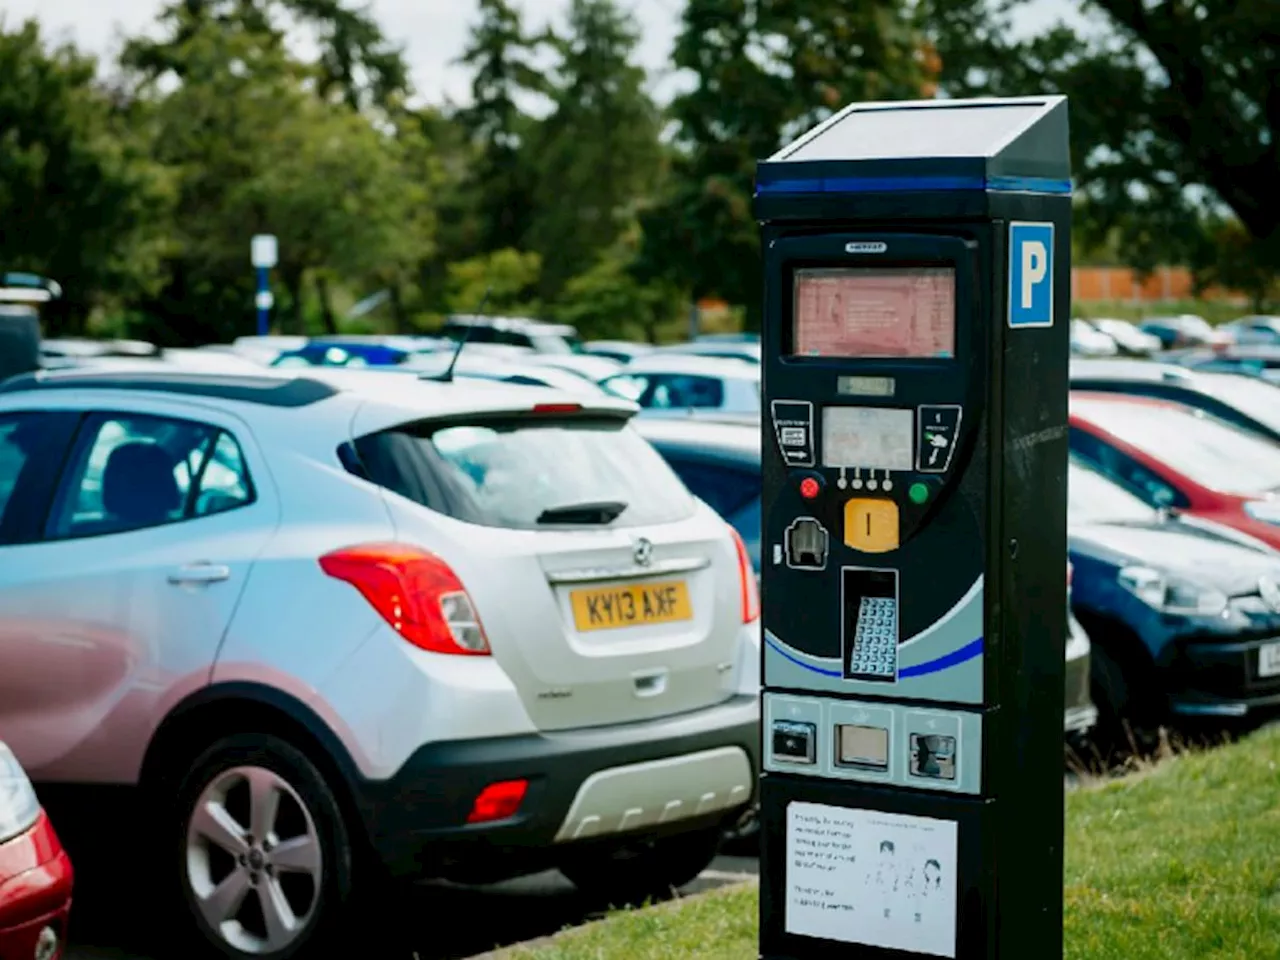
[(433, 32)]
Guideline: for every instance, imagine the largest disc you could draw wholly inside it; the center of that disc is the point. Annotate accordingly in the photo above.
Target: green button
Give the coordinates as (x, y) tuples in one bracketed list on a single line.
[(918, 493)]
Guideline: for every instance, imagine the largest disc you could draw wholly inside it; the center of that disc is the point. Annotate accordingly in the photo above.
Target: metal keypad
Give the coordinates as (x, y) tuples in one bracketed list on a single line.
[(875, 643)]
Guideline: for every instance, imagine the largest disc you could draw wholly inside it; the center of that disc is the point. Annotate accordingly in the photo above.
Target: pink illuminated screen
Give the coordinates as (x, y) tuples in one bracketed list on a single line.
[(854, 312)]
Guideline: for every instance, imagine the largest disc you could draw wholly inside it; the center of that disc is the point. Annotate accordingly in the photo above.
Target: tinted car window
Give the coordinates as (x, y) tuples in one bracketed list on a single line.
[(510, 473), (725, 489), (15, 446), (131, 472), (1124, 470), (1092, 498)]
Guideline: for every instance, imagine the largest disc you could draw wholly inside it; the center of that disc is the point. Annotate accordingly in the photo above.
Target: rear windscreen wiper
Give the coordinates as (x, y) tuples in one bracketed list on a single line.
[(596, 511)]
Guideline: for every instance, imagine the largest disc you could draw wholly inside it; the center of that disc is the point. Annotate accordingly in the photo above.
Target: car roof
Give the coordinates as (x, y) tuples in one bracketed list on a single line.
[(295, 387), (1080, 401), (1148, 371), (742, 440), (518, 324), (726, 369)]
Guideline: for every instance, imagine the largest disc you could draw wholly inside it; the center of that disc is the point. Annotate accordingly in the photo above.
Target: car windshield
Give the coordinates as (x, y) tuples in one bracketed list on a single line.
[(1258, 399), (1092, 498), (512, 473), (1209, 451)]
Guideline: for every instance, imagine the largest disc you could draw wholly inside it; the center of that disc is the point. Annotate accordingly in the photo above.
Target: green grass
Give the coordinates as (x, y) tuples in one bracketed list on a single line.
[(1176, 862)]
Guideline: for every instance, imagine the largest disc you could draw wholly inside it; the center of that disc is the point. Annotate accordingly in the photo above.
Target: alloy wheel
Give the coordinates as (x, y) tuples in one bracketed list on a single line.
[(253, 860)]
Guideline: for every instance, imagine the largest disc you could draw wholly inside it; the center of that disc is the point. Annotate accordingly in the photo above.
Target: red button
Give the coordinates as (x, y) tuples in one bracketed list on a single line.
[(809, 488)]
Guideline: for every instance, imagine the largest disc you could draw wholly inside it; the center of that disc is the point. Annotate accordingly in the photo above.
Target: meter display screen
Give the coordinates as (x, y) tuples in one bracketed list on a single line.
[(869, 438), (875, 313)]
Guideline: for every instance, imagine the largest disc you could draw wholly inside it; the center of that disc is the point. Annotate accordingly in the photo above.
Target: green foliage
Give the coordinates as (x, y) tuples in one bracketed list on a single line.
[(79, 200), (504, 282), (766, 70), (1173, 114), (356, 63), (597, 154), (254, 150), (500, 180), (608, 300)]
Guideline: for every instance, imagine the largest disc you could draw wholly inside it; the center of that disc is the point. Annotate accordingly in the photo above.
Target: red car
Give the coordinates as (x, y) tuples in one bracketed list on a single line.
[(1183, 459), (35, 872)]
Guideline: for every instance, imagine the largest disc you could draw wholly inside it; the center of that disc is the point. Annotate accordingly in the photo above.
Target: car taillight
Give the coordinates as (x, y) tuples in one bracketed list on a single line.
[(747, 578), (557, 407), (414, 591), (498, 801)]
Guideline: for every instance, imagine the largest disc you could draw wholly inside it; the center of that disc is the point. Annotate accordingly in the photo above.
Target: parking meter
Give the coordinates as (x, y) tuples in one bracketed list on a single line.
[(916, 315)]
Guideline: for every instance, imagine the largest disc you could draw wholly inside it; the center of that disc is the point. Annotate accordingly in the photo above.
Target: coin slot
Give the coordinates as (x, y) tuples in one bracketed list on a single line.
[(933, 756), (794, 742)]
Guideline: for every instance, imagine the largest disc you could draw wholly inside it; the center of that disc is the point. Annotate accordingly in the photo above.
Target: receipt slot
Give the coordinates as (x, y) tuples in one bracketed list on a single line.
[(917, 283)]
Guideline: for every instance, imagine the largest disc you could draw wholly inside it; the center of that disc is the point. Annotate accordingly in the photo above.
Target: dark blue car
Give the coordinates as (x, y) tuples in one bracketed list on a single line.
[(1184, 614), (335, 353), (720, 463)]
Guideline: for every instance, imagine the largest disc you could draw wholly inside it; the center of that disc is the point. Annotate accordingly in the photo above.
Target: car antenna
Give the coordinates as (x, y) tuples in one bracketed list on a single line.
[(447, 376)]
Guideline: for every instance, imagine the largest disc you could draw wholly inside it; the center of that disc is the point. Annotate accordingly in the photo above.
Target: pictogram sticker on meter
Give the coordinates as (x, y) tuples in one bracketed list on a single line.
[(793, 425)]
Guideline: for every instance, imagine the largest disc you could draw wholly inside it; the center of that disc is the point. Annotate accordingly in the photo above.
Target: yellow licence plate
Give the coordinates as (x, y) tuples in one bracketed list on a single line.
[(637, 605)]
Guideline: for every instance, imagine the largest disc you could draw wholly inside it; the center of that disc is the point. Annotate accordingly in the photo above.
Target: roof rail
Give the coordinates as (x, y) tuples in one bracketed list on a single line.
[(271, 391)]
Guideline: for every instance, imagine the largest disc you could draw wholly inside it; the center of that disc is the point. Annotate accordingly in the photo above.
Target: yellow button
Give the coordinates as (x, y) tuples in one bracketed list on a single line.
[(871, 526)]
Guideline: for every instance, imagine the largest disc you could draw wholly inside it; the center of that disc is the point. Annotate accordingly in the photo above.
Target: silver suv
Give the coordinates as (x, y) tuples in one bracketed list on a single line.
[(347, 619)]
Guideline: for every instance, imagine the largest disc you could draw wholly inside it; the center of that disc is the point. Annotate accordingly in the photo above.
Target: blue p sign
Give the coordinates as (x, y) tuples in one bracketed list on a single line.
[(1031, 274)]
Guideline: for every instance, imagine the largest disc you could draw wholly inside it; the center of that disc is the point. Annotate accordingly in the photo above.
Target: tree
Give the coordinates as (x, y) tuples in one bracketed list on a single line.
[(253, 150), (500, 184), (765, 70), (502, 282), (356, 62), (609, 300), (1175, 114), (597, 154), (79, 201)]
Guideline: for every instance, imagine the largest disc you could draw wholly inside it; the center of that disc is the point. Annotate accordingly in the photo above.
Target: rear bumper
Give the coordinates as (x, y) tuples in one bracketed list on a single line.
[(606, 784), (36, 882), (1221, 680)]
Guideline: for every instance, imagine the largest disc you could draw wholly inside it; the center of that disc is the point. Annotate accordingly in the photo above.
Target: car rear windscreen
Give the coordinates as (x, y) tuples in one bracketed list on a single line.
[(527, 473)]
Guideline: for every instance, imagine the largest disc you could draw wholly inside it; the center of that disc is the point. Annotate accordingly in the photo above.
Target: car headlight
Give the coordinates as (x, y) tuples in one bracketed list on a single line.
[(1171, 595), (19, 808)]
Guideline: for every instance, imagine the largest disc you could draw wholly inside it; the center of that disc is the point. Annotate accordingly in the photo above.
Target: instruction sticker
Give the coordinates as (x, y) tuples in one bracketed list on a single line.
[(878, 879)]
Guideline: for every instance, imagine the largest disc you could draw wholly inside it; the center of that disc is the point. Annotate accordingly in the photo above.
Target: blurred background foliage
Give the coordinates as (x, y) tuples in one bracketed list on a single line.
[(563, 187)]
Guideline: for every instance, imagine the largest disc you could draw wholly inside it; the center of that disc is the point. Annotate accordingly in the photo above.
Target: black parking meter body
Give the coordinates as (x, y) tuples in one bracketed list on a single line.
[(917, 299)]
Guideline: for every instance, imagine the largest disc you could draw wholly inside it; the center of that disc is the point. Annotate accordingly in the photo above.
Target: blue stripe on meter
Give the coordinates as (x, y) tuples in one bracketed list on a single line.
[(956, 657), (835, 185)]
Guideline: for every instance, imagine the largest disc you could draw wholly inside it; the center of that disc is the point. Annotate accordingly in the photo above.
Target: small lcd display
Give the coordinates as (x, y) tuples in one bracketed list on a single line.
[(868, 438), (856, 312)]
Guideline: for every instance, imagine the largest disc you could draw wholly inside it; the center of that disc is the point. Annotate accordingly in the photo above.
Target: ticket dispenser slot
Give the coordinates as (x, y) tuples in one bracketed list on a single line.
[(913, 518)]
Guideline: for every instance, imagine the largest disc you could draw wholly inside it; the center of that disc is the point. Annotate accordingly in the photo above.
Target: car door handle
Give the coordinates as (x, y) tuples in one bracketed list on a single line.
[(200, 573)]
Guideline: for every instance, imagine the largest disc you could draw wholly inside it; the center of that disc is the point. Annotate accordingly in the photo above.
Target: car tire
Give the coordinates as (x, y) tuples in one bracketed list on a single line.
[(1127, 719), (285, 895), (633, 874)]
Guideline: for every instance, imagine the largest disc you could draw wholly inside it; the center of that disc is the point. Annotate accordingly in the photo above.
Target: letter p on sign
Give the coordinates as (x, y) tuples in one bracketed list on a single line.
[(1031, 274)]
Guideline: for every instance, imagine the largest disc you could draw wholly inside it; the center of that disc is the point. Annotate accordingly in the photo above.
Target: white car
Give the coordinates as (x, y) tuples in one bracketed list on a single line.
[(674, 385), (327, 625), (1086, 341), (583, 365), (1253, 331)]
